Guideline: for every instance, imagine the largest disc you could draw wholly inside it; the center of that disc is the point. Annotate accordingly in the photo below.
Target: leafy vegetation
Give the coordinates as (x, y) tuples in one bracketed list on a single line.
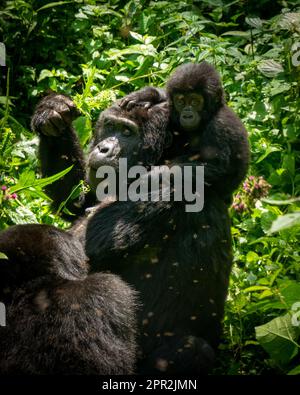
[(98, 51)]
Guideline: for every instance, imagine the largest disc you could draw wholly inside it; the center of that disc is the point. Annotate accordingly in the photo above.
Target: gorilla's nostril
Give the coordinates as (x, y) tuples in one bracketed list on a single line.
[(103, 150)]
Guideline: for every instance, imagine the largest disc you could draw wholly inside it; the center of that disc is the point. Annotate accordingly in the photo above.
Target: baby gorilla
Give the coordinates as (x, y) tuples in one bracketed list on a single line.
[(60, 320)]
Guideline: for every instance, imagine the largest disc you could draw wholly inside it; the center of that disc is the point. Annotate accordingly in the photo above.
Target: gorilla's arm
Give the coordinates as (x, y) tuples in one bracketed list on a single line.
[(59, 145), (122, 227)]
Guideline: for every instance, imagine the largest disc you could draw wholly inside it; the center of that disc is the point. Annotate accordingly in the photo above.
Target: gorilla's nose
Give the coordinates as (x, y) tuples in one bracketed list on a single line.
[(106, 148)]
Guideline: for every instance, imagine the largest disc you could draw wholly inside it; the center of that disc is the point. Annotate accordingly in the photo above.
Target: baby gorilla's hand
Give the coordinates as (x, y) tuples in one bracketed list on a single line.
[(54, 115), (145, 98)]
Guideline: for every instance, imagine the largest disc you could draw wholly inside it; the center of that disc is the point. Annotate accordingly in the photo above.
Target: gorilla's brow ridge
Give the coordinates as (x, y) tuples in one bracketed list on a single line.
[(124, 121)]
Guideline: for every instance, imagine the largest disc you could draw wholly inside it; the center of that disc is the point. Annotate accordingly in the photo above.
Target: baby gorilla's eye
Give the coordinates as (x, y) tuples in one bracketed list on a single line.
[(179, 100), (126, 132), (197, 104)]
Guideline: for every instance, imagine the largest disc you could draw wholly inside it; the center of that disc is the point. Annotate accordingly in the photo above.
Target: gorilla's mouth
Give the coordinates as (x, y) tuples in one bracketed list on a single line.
[(189, 120)]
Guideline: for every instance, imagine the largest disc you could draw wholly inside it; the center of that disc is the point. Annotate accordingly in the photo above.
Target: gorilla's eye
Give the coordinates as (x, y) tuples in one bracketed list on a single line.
[(197, 101), (179, 100), (126, 132)]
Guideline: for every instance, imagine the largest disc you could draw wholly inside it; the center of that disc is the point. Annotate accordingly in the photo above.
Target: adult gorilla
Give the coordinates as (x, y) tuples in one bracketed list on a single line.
[(138, 135), (60, 319), (180, 262)]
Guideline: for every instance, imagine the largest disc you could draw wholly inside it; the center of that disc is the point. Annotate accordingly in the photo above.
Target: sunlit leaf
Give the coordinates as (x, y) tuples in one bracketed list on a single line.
[(285, 222), (278, 337)]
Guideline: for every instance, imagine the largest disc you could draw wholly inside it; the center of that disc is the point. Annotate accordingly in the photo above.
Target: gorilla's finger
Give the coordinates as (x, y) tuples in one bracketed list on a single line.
[(131, 104), (123, 102), (48, 129)]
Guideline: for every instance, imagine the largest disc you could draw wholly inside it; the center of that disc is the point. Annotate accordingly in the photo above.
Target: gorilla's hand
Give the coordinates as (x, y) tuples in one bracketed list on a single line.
[(54, 115), (146, 97)]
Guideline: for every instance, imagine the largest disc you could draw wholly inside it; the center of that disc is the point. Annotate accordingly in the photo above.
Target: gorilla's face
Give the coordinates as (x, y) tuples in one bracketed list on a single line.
[(116, 137), (189, 106)]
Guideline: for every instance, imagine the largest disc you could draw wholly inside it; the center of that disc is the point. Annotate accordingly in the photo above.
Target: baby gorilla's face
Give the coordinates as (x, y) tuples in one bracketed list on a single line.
[(189, 106)]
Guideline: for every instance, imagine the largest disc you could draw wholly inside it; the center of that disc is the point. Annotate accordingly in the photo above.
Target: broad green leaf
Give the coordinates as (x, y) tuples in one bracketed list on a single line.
[(279, 338), (279, 88), (267, 219), (285, 222), (45, 74), (83, 127), (22, 215), (252, 257), (254, 22), (270, 68), (3, 256), (289, 163), (290, 20), (290, 291)]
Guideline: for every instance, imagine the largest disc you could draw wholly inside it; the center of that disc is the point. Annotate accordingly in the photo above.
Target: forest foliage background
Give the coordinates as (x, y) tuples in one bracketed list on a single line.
[(98, 51)]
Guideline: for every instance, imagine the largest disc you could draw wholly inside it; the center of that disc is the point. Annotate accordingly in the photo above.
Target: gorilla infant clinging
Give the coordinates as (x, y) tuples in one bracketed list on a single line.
[(60, 320)]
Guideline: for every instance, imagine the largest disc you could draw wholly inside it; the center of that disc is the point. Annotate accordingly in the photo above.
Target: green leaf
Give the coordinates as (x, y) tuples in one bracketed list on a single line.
[(269, 150), (278, 337), (53, 4), (294, 371), (285, 222), (280, 202), (83, 127), (252, 257), (270, 68), (45, 74), (256, 288), (74, 194), (236, 33), (289, 163), (266, 220), (290, 291), (3, 256), (254, 22), (28, 181)]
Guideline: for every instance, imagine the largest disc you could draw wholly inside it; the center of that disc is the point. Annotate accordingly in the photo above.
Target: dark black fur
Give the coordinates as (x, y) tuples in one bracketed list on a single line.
[(60, 147), (60, 320), (223, 144), (180, 262), (52, 118)]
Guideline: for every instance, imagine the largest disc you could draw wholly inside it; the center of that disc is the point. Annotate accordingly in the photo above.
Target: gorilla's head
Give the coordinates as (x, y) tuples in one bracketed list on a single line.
[(139, 135), (195, 93)]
